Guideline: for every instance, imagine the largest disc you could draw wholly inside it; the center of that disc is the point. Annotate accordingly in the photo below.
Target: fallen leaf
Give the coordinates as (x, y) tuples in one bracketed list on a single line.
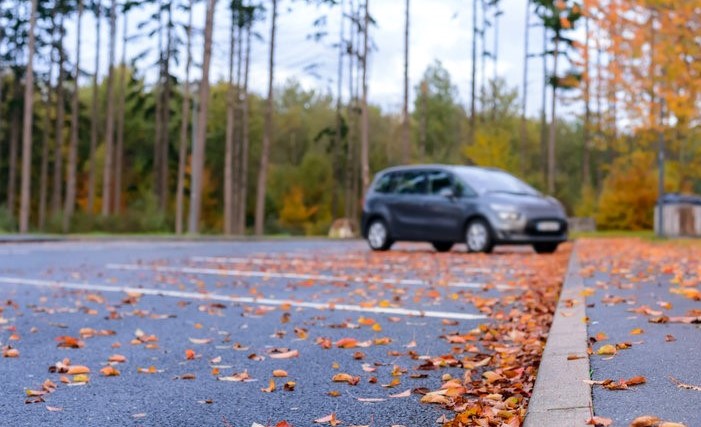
[(285, 355), (109, 371), (77, 370), (279, 373), (270, 388), (606, 350), (346, 378), (405, 393), (600, 421), (117, 358)]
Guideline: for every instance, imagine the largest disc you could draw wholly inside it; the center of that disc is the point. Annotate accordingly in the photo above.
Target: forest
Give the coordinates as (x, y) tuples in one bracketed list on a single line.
[(157, 143)]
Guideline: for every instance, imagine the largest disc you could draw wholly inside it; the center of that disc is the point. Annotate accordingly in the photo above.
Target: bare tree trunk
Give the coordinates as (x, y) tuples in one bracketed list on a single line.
[(267, 132), (165, 110), (406, 147), (524, 95), (229, 136), (158, 92), (473, 82), (121, 106), (238, 134), (182, 153), (350, 112), (543, 115), (109, 128), (69, 207), (338, 138), (586, 171), (199, 143), (44, 168), (365, 136), (27, 126), (243, 190), (553, 122), (46, 135), (423, 129), (14, 143), (57, 192), (94, 119)]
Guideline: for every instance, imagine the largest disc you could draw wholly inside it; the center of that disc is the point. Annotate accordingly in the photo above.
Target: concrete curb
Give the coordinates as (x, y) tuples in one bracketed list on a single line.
[(16, 238), (560, 397)]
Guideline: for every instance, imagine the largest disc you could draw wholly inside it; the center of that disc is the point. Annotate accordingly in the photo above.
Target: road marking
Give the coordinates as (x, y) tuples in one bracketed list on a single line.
[(296, 276), (298, 261), (245, 300)]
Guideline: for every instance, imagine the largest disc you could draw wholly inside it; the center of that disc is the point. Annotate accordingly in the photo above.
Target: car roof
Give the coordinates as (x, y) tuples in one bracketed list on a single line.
[(453, 168)]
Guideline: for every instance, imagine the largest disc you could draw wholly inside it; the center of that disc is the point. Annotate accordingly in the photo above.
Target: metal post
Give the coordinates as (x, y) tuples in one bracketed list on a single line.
[(660, 161)]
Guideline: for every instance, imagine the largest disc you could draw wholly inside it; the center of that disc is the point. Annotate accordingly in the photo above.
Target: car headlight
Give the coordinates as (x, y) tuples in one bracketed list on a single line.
[(506, 213)]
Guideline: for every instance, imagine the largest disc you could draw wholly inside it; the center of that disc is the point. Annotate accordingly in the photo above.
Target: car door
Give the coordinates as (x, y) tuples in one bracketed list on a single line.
[(444, 207), (409, 205)]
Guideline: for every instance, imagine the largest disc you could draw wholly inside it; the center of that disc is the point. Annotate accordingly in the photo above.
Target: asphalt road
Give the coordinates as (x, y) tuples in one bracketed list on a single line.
[(659, 351), (235, 305)]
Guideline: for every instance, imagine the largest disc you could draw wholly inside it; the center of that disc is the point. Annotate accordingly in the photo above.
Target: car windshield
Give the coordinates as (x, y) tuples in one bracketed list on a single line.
[(494, 181)]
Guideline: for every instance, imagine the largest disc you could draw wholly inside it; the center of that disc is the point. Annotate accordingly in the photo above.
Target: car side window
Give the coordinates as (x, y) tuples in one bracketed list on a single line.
[(412, 182), (462, 189), (440, 181), (385, 184)]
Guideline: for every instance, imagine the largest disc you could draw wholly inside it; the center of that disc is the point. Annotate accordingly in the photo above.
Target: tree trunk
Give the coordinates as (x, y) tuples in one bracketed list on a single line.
[(57, 192), (69, 207), (406, 147), (524, 95), (184, 120), (14, 142), (94, 119), (350, 112), (423, 130), (229, 136), (365, 137), (165, 110), (44, 168), (267, 131), (586, 171), (543, 115), (473, 82), (121, 106), (553, 122), (337, 137), (238, 134), (158, 93), (27, 126), (199, 142), (109, 128), (243, 190)]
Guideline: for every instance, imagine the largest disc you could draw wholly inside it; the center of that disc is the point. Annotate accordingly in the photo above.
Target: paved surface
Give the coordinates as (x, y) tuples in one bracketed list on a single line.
[(247, 301), (560, 396), (624, 278)]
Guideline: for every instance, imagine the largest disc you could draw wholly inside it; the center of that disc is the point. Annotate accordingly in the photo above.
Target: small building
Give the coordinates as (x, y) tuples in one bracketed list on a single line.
[(681, 215)]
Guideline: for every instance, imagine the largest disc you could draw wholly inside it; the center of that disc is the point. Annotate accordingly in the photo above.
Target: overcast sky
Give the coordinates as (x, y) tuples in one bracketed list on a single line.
[(440, 30)]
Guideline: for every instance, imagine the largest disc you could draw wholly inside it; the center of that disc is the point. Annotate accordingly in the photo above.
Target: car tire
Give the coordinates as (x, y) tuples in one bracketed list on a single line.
[(479, 236), (545, 248), (442, 246), (378, 235)]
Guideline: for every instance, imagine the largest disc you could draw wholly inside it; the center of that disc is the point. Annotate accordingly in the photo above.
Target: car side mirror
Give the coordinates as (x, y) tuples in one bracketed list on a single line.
[(447, 192)]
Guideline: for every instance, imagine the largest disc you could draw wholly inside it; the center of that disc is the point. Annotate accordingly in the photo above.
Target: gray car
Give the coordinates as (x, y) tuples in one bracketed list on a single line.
[(444, 205)]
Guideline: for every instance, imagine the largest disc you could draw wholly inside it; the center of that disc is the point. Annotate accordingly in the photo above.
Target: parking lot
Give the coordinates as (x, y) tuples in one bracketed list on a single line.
[(238, 333)]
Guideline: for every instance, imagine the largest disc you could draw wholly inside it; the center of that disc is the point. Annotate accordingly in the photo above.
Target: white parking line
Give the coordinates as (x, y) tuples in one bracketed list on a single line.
[(296, 276), (245, 300), (298, 261)]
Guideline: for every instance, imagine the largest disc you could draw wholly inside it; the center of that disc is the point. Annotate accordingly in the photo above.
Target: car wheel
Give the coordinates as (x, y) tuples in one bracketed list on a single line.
[(378, 236), (478, 236), (442, 246), (545, 248)]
